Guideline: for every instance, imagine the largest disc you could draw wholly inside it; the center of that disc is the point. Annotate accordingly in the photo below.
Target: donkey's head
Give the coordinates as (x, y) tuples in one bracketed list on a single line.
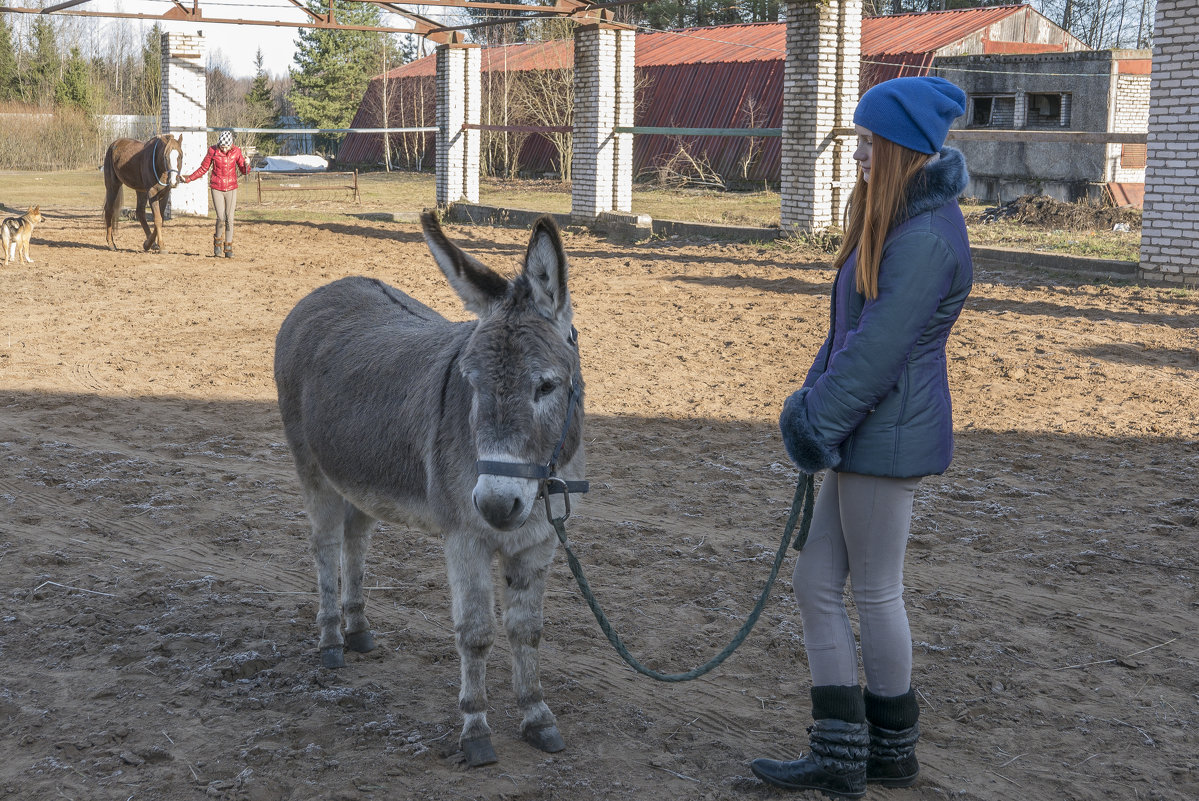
[(522, 365)]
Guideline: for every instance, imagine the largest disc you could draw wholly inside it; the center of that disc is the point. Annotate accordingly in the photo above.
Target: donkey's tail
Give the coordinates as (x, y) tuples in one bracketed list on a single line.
[(112, 191)]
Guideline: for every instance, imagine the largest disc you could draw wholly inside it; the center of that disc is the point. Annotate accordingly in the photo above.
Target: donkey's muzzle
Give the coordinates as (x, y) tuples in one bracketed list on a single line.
[(504, 502)]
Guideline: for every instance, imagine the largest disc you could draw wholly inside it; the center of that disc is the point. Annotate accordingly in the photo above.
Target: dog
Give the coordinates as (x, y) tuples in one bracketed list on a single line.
[(15, 233)]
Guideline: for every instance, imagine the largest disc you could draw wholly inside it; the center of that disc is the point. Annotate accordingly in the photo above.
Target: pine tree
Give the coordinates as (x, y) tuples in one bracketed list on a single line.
[(261, 106), (149, 87), (45, 64), (333, 68), (75, 87), (9, 88)]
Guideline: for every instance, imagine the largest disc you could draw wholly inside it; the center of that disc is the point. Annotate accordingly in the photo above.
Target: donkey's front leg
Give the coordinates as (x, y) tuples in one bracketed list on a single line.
[(524, 594), (468, 565)]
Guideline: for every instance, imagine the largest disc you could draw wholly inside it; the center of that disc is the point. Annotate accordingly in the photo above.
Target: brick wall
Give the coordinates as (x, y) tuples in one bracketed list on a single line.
[(458, 102), (184, 105), (602, 160), (1169, 235), (820, 91), (1130, 113)]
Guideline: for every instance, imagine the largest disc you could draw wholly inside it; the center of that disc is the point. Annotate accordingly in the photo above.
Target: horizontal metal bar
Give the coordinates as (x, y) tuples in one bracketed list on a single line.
[(650, 130), (470, 126), (212, 20), (202, 129), (338, 188), (1076, 137)]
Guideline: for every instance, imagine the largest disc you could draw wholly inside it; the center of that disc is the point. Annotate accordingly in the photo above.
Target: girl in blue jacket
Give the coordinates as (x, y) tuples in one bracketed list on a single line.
[(875, 411)]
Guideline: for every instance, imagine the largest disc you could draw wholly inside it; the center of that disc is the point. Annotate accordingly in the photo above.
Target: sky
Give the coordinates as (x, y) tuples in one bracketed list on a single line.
[(233, 46)]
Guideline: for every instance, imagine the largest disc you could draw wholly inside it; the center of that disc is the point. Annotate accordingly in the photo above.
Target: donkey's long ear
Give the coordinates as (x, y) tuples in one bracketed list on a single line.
[(477, 284), (545, 269)]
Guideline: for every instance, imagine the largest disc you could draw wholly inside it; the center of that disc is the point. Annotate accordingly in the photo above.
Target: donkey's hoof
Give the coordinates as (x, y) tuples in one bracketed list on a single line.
[(333, 657), (478, 752), (360, 641), (545, 738)]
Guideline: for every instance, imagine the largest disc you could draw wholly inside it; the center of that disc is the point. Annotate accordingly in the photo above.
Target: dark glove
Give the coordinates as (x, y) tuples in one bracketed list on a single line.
[(804, 446)]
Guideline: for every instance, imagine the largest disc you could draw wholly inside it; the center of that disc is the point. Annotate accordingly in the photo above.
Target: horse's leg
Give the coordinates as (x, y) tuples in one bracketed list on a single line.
[(112, 208), (157, 209), (327, 512), (141, 218), (468, 565), (355, 543), (524, 593)]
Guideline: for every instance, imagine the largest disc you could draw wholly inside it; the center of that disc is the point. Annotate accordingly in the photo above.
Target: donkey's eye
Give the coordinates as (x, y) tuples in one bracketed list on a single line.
[(546, 387)]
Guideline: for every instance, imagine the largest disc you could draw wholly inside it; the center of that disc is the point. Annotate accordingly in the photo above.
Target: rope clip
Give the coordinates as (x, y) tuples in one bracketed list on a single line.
[(554, 485)]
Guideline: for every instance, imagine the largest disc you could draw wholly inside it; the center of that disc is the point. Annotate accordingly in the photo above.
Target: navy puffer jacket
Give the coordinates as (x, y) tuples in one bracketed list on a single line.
[(876, 400)]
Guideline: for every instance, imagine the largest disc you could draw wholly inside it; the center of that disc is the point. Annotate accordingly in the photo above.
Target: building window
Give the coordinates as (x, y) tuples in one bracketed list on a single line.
[(992, 111), (1048, 110)]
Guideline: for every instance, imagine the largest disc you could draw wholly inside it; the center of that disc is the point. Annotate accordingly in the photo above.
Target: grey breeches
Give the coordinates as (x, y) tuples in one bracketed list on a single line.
[(859, 531), (224, 203)]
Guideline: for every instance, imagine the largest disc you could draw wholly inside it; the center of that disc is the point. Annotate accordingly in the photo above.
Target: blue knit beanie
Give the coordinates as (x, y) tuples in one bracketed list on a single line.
[(913, 112)]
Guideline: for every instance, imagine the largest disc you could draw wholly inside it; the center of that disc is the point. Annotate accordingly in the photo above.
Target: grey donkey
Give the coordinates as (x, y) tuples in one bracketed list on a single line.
[(393, 413)]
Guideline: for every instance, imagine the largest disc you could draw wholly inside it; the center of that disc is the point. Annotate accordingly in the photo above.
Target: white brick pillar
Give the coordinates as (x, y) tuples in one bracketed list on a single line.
[(458, 104), (1170, 223), (184, 105), (820, 91), (602, 161)]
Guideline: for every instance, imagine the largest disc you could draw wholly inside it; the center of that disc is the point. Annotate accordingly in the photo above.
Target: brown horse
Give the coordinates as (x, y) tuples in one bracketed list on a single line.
[(144, 167)]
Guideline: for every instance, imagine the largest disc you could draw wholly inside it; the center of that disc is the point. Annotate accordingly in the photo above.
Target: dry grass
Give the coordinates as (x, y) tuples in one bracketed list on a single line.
[(405, 191)]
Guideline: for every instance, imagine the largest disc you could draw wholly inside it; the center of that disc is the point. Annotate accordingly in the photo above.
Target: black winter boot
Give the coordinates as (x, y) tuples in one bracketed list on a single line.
[(840, 746), (894, 731)]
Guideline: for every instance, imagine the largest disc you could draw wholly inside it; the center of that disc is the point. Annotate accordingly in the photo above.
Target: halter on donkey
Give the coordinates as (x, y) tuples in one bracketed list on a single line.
[(144, 167)]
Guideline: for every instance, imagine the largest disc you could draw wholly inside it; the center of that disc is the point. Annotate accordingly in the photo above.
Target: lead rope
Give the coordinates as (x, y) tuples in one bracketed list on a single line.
[(801, 505)]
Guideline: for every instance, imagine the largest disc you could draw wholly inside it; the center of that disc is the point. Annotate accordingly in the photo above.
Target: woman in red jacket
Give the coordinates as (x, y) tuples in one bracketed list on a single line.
[(226, 161)]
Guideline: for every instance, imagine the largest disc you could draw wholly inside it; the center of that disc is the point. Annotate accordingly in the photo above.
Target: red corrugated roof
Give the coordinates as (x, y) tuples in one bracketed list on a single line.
[(901, 34), (923, 33)]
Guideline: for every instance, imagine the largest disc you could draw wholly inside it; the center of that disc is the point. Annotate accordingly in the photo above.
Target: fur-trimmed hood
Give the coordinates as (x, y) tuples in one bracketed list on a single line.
[(943, 179)]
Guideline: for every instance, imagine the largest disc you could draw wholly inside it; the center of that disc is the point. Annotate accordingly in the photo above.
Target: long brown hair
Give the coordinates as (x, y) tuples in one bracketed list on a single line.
[(874, 206)]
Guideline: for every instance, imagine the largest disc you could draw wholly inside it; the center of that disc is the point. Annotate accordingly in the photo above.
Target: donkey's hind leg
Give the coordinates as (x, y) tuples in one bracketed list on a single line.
[(327, 513), (524, 592), (355, 543), (468, 565)]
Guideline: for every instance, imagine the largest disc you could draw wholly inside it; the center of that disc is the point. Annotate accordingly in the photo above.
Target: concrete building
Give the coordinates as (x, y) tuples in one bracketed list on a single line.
[(1093, 91)]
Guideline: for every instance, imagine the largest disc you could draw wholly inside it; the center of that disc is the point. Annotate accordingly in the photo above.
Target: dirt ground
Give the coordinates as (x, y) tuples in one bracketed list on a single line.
[(158, 629)]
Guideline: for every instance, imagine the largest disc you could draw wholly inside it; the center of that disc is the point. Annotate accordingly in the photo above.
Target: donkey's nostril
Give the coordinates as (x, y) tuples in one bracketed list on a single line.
[(502, 510)]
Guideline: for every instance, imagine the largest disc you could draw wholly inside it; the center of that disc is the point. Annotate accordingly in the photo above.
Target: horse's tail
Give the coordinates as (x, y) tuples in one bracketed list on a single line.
[(112, 191)]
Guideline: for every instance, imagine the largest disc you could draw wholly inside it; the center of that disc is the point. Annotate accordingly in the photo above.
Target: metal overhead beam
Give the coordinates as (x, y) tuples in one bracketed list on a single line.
[(182, 15), (61, 6), (421, 25)]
